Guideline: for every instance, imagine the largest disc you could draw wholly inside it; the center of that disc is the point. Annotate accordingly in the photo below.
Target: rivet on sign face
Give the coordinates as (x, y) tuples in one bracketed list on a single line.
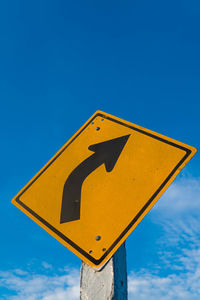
[(98, 237), (97, 128), (90, 251), (104, 249)]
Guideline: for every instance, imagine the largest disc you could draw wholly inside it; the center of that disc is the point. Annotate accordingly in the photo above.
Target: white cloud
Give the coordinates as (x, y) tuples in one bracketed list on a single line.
[(181, 198), (180, 258), (172, 287), (40, 287), (178, 212), (181, 282), (46, 265)]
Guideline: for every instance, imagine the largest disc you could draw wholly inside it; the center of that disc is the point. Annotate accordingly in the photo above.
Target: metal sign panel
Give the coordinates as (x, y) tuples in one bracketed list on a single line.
[(93, 193)]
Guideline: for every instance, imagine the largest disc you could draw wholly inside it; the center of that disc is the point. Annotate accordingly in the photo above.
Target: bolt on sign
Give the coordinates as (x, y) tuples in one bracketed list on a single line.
[(93, 193)]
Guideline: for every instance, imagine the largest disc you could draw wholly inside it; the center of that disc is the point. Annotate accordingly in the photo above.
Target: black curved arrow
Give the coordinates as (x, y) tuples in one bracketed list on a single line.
[(106, 153)]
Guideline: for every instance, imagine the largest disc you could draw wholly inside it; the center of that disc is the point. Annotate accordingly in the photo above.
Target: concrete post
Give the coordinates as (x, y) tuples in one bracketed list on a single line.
[(109, 283)]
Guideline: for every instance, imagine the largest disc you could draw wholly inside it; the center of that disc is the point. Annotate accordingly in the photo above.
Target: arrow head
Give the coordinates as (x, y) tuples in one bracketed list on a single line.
[(109, 151)]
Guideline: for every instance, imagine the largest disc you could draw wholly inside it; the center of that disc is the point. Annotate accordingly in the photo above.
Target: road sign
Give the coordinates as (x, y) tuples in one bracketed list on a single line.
[(93, 193)]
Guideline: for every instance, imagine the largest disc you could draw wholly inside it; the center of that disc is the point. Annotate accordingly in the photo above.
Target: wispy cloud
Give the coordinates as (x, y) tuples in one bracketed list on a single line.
[(27, 286), (46, 265), (181, 282), (182, 198), (172, 287), (178, 212)]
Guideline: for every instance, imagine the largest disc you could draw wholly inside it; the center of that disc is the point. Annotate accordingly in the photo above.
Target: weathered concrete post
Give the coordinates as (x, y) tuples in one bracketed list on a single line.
[(110, 283)]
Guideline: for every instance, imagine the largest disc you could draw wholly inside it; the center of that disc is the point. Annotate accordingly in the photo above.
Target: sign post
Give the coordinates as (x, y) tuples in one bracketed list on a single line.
[(108, 283)]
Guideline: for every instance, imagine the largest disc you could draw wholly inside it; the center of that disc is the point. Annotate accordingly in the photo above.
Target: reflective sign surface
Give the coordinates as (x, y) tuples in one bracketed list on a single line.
[(98, 187)]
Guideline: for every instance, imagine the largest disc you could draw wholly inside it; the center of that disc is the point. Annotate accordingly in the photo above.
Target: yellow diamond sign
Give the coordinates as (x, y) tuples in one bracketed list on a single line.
[(93, 193)]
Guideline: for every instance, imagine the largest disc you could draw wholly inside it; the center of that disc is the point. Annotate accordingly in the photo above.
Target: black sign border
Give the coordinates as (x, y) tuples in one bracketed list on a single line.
[(66, 239)]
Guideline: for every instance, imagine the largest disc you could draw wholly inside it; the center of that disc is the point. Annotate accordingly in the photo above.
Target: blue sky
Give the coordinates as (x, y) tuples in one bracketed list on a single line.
[(60, 62)]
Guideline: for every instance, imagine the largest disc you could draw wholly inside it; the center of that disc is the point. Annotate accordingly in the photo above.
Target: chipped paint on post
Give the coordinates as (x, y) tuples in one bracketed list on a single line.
[(109, 283)]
